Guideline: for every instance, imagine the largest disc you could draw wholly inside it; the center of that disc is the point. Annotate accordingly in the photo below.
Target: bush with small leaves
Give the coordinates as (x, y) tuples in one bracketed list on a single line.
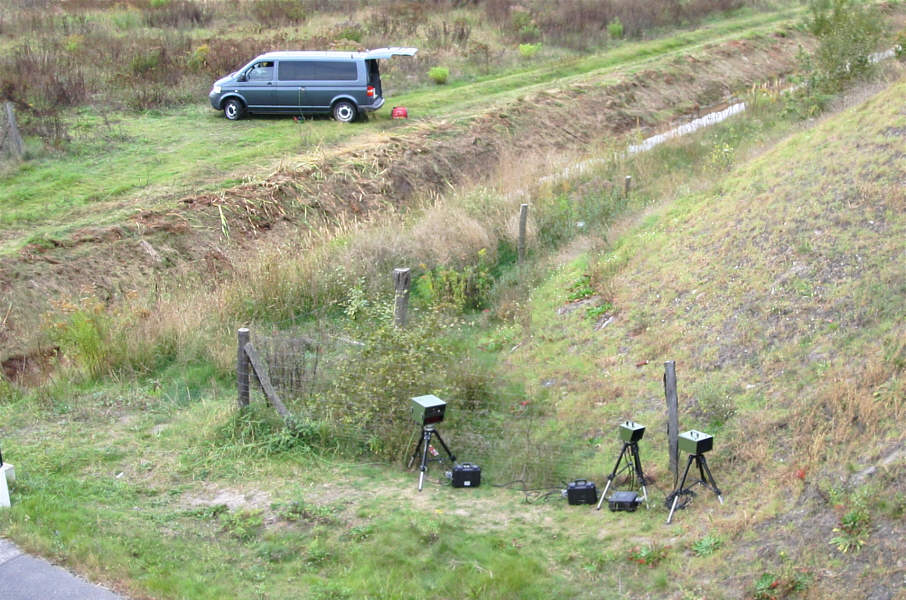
[(439, 75)]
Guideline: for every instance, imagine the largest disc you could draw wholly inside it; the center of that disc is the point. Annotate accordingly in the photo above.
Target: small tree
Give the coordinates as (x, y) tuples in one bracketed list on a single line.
[(848, 32)]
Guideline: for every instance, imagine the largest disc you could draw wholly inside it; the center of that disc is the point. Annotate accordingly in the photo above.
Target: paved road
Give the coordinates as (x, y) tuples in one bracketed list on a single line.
[(24, 577)]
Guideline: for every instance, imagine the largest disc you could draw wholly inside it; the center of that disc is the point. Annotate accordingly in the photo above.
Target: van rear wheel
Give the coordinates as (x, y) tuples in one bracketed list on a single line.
[(233, 109), (345, 111)]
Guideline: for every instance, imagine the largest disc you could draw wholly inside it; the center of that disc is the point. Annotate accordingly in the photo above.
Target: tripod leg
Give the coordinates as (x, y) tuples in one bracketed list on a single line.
[(423, 468), (699, 461), (672, 509), (604, 493), (638, 473), (444, 444), (676, 492), (613, 474), (418, 447), (704, 464)]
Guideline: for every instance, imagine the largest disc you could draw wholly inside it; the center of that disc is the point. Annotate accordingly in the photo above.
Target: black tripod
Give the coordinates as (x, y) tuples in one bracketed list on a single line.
[(423, 444), (706, 480), (635, 465)]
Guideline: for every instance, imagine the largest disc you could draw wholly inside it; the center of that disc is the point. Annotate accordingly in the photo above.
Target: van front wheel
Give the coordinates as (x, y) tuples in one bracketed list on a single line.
[(345, 111), (233, 109)]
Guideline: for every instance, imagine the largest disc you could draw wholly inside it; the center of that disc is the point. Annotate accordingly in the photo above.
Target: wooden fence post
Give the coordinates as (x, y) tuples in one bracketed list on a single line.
[(14, 140), (627, 185), (523, 219), (264, 380), (402, 278), (672, 415), (242, 368)]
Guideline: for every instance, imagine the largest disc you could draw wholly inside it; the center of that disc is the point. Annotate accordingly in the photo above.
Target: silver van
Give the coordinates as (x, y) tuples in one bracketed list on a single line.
[(344, 84)]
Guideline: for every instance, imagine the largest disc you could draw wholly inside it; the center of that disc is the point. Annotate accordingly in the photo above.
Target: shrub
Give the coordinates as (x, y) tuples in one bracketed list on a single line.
[(444, 35), (145, 62), (848, 32), (198, 59), (369, 389), (278, 12), (83, 333), (615, 29), (524, 26), (439, 75), (175, 13), (529, 50), (459, 289)]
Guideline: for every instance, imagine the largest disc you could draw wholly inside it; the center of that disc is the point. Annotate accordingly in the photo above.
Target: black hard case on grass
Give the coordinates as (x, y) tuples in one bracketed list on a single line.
[(627, 501), (466, 475), (581, 491)]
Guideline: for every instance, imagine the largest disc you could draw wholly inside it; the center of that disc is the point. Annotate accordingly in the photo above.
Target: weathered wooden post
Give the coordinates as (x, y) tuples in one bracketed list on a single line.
[(16, 147), (242, 368), (7, 476), (672, 414), (523, 219), (401, 281), (627, 185)]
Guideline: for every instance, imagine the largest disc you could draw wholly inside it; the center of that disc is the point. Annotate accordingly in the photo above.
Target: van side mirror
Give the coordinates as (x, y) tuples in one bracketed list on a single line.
[(242, 76)]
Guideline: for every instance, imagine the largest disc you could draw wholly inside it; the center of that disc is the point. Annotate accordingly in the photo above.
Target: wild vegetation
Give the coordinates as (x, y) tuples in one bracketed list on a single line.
[(152, 54), (729, 255)]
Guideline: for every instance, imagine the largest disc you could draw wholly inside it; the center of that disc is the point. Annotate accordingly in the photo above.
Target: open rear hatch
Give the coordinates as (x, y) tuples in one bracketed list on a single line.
[(374, 72), (389, 52)]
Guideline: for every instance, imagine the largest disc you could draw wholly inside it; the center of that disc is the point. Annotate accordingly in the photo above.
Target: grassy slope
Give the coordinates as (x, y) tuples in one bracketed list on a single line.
[(780, 295), (123, 165)]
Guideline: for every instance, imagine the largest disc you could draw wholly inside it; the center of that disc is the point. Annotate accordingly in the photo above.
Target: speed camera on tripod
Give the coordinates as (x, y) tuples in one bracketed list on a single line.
[(428, 410)]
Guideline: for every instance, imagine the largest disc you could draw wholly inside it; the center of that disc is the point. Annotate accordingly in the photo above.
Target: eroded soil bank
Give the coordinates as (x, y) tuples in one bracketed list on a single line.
[(377, 172)]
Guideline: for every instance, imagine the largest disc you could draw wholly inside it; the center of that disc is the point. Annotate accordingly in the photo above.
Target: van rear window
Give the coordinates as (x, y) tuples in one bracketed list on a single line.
[(320, 70)]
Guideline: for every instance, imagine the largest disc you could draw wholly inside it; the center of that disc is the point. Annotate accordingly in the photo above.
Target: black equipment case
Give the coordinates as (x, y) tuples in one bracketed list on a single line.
[(623, 501), (581, 491), (466, 475)]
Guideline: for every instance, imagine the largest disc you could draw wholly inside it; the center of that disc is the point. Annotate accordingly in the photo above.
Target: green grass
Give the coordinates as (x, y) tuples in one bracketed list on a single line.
[(117, 166), (760, 282), (158, 527), (127, 482)]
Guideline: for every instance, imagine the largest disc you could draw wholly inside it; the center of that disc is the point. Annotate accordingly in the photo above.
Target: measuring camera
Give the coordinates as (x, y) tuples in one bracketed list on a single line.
[(428, 410)]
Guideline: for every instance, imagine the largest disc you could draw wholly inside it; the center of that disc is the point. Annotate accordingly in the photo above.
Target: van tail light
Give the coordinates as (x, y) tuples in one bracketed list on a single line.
[(369, 91)]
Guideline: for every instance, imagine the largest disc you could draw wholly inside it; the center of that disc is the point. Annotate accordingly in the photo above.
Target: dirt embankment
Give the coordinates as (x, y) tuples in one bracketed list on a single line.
[(356, 179)]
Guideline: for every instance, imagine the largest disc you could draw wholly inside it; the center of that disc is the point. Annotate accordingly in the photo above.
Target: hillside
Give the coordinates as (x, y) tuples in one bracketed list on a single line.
[(781, 296), (74, 224), (764, 255)]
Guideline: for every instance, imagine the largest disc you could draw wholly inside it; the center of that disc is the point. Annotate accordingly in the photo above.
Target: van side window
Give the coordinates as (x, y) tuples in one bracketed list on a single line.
[(262, 71), (331, 70), (296, 70)]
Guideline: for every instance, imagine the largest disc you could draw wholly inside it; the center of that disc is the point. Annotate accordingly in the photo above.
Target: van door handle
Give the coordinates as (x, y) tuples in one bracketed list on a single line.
[(270, 83)]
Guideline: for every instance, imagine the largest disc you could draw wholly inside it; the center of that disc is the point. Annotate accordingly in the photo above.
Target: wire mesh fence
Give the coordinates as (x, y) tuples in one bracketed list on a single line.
[(508, 433)]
